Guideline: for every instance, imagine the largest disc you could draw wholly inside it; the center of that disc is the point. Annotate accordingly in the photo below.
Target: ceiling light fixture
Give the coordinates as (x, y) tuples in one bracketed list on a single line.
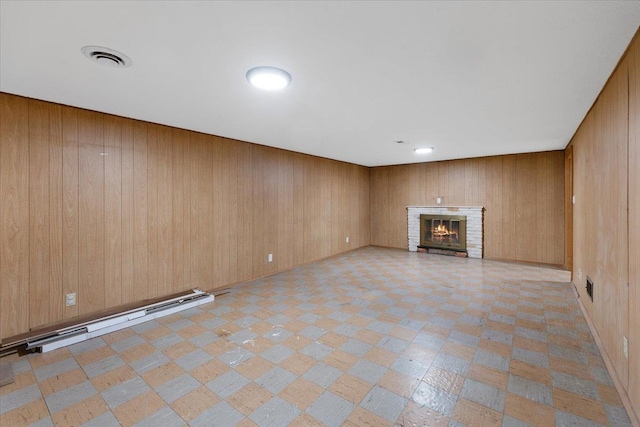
[(423, 150), (106, 56), (268, 78)]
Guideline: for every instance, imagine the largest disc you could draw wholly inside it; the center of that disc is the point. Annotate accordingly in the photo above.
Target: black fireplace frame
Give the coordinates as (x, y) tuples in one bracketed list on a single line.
[(447, 244)]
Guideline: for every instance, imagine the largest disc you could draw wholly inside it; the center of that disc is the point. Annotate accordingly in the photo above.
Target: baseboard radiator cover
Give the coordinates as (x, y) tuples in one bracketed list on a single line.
[(51, 338)]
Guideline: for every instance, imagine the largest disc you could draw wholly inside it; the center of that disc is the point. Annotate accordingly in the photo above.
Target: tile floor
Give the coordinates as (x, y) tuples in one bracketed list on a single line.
[(374, 337)]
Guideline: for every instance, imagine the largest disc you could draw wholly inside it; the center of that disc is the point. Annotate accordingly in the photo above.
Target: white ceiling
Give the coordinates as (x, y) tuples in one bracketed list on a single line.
[(468, 78)]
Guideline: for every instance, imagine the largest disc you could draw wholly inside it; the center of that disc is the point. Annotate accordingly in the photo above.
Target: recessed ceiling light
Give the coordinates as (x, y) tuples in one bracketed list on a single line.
[(268, 78), (106, 56), (423, 150)]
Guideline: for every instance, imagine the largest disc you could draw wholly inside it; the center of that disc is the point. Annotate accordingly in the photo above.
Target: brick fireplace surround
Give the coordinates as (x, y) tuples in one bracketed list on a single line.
[(475, 229)]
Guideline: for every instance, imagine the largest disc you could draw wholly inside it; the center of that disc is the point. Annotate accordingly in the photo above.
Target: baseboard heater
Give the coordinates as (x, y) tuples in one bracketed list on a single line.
[(72, 332)]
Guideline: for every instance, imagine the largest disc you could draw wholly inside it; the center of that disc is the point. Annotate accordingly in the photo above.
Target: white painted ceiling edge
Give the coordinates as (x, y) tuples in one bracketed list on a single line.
[(467, 78)]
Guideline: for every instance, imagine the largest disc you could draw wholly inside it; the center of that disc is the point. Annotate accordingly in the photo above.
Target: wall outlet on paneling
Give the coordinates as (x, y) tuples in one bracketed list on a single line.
[(573, 199), (270, 258), (625, 347), (439, 200), (347, 240), (70, 299)]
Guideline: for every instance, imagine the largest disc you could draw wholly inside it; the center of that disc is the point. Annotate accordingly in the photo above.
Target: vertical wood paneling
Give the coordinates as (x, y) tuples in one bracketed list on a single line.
[(338, 225), (128, 213), (299, 213), (259, 215), (14, 215), (270, 208), (582, 185), (398, 201), (417, 183), (202, 232), (312, 195), (186, 237), (323, 206), (286, 236), (165, 211), (244, 178), (153, 212), (70, 207), (471, 182), (527, 211), (453, 184), (634, 224), (178, 204), (431, 174), (141, 284), (551, 188), (509, 208), (379, 185), (493, 221), (39, 226), (231, 164), (217, 220), (207, 203), (568, 207), (56, 288), (605, 218), (352, 217), (223, 210), (483, 185), (113, 210), (118, 210), (611, 273), (91, 285), (365, 207)]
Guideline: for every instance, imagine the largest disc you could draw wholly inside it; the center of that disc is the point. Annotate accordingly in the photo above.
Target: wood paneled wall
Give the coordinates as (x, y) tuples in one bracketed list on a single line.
[(607, 217), (522, 196), (118, 210), (633, 58)]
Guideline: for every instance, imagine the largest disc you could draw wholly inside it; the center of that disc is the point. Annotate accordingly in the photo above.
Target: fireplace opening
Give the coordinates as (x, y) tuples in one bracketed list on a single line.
[(443, 232)]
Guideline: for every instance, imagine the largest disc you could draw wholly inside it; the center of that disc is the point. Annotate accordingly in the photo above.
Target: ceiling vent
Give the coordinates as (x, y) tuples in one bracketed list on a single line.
[(106, 56)]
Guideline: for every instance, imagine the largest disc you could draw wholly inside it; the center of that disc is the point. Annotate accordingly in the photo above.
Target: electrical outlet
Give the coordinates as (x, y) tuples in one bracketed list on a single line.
[(439, 200), (573, 199), (346, 240), (270, 257), (625, 347), (70, 300)]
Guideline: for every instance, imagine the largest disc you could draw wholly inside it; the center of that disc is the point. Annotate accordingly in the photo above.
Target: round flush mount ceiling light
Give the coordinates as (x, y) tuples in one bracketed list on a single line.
[(423, 150), (106, 56), (268, 78)]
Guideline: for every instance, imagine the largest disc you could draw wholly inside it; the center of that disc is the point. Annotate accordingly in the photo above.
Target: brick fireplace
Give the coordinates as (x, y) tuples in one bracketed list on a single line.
[(473, 215)]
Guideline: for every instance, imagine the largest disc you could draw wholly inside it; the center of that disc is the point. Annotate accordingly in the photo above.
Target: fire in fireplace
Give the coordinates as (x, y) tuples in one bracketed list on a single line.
[(443, 232)]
